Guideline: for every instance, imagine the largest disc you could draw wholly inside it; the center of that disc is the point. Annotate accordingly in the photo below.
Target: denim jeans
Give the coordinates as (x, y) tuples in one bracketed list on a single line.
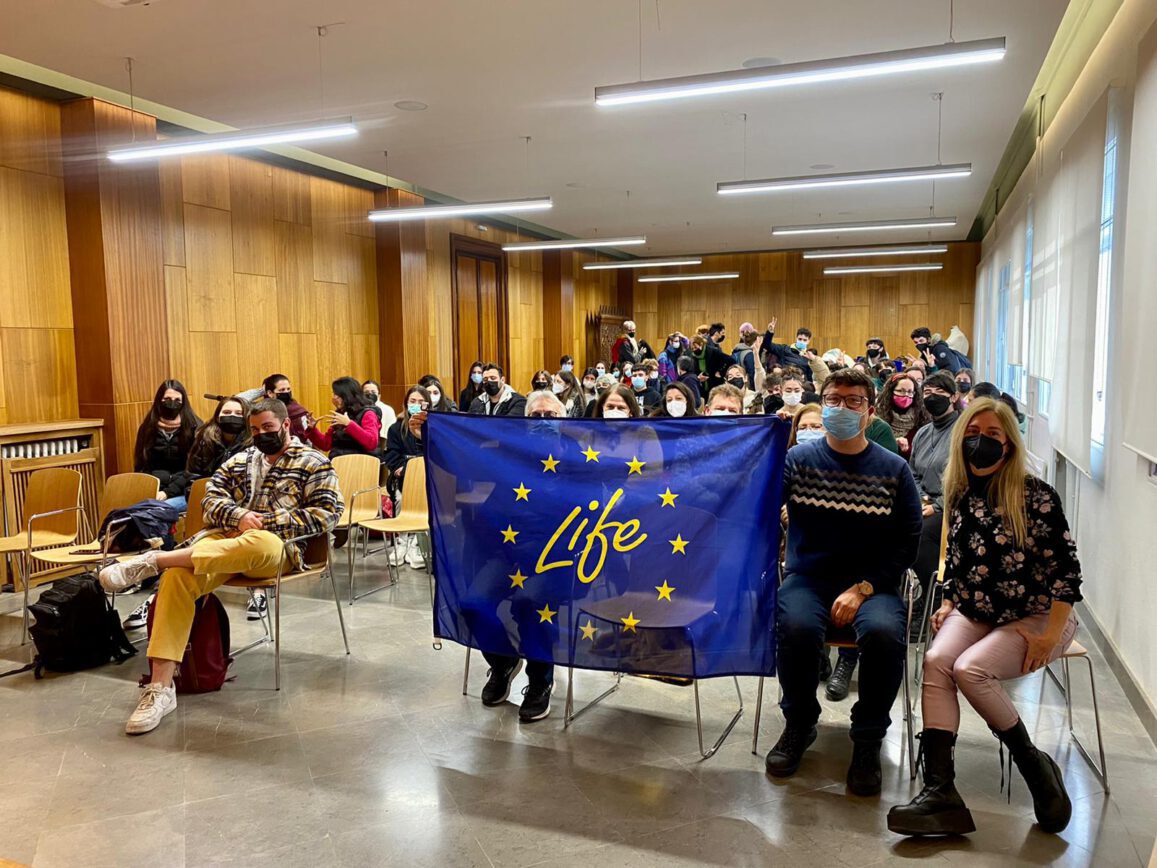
[(803, 617)]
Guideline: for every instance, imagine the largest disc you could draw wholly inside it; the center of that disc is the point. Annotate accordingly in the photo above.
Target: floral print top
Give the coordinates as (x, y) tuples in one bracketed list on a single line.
[(991, 580)]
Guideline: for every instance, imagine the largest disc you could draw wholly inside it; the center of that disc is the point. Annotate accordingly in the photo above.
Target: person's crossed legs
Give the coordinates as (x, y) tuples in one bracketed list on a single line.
[(187, 575)]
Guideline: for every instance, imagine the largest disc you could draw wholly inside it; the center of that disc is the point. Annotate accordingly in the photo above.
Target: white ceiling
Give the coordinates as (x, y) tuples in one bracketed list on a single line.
[(493, 72)]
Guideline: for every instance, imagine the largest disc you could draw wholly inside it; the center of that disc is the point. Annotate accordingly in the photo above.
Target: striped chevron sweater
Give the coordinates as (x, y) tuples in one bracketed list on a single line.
[(850, 517)]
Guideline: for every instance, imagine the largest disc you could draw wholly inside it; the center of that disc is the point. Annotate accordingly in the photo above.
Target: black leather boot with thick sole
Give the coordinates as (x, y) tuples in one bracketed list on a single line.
[(937, 809), (1049, 799)]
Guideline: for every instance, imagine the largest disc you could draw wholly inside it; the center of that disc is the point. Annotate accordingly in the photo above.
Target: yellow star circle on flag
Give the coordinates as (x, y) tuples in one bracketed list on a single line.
[(517, 578), (629, 623), (549, 464), (591, 455), (636, 465), (678, 544), (588, 630), (668, 498), (664, 590), (509, 534), (521, 493), (545, 614)]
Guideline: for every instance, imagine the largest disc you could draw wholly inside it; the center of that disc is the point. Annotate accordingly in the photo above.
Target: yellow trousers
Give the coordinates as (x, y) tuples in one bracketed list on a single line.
[(216, 558)]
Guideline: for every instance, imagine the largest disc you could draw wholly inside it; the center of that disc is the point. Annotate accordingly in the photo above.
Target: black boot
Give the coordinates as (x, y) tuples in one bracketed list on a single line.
[(841, 679), (938, 808), (1049, 799)]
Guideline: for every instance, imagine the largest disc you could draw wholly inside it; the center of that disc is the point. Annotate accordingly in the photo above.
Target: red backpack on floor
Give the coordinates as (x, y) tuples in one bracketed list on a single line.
[(205, 666)]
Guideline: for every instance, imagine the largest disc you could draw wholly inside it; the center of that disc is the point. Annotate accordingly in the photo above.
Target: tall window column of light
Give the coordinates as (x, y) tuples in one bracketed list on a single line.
[(1104, 283)]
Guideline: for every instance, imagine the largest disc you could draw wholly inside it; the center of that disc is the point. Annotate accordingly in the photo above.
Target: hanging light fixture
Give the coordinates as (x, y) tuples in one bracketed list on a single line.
[(865, 226), (675, 278), (844, 179), (898, 250), (808, 72), (570, 243), (466, 209), (642, 263), (883, 269), (236, 140)]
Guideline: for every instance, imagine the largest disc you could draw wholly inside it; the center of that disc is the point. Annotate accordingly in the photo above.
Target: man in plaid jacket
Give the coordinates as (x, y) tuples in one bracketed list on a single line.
[(260, 498)]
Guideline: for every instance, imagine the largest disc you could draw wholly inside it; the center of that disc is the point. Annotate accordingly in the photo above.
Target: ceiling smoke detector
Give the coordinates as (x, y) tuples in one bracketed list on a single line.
[(411, 105)]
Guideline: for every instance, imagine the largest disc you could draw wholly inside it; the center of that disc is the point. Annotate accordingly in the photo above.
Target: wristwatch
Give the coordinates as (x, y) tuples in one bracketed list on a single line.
[(865, 588)]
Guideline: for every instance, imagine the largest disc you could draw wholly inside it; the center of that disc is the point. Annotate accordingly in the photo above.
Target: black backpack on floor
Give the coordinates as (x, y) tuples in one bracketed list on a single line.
[(76, 627)]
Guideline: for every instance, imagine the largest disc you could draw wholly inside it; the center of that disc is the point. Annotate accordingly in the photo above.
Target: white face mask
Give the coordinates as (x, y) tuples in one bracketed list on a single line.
[(720, 412), (557, 388), (435, 397), (615, 413), (676, 408), (791, 399), (807, 435)]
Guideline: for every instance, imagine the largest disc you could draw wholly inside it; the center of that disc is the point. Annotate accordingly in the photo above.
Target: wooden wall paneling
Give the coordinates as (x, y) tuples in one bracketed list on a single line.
[(256, 336), (328, 203), (34, 277), (29, 134), (177, 322), (403, 292), (443, 320), (854, 329), (299, 363), (291, 196), (363, 286), (359, 203), (558, 303), (212, 368), (122, 420), (251, 204), (209, 268), (855, 290), (39, 368), (294, 272), (771, 266), (172, 212), (884, 312), (333, 325), (825, 322), (205, 180), (364, 357), (913, 288), (916, 314)]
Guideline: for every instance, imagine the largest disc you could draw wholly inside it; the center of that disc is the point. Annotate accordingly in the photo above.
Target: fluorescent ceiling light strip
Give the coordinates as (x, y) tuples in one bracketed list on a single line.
[(849, 252), (236, 140), (844, 179), (432, 212), (570, 243), (866, 226), (642, 263), (809, 72), (883, 269), (674, 278)]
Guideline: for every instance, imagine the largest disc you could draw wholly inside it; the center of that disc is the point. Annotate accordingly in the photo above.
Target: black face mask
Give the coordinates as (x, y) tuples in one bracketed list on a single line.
[(539, 387), (170, 408), (491, 387), (983, 451), (231, 424), (873, 352), (285, 398), (372, 397), (773, 404), (269, 442), (630, 334), (937, 405), (963, 388), (737, 382)]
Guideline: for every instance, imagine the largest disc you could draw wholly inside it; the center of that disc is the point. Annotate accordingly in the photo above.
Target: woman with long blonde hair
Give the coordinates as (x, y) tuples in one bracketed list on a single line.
[(1010, 577)]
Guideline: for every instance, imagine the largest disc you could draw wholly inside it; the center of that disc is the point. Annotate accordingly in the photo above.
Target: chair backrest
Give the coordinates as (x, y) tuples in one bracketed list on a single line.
[(50, 489), (414, 502), (125, 489), (357, 473), (194, 513)]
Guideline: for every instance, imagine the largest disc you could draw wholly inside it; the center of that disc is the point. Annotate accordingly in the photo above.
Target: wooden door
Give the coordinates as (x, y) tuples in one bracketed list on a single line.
[(479, 306)]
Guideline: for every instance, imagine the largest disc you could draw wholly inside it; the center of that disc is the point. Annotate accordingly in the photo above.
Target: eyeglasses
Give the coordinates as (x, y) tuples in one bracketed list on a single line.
[(543, 414), (852, 402), (900, 394)]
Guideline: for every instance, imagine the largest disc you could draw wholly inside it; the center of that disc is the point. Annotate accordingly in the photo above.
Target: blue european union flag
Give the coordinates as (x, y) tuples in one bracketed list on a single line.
[(646, 546)]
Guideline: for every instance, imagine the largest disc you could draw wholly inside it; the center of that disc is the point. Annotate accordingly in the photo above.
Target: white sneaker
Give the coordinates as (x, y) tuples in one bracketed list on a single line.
[(156, 702), (139, 617), (414, 554), (400, 549), (257, 607), (118, 577)]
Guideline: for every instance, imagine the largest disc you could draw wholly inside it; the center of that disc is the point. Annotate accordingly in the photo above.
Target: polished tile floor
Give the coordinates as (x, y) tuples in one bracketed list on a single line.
[(378, 759)]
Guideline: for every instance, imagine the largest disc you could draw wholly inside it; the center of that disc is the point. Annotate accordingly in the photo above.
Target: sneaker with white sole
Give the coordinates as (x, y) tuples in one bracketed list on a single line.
[(139, 617), (257, 607), (117, 578), (156, 701), (414, 555), (399, 550)]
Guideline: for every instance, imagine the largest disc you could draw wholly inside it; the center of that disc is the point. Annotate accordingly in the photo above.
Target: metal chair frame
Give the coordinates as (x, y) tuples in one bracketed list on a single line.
[(393, 570), (1101, 771)]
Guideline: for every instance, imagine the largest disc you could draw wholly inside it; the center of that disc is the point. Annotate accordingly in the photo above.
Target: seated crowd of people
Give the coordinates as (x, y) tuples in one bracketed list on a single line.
[(890, 463)]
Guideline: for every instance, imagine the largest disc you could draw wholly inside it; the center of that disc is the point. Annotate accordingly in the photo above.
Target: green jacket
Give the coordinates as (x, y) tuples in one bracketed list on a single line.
[(880, 432)]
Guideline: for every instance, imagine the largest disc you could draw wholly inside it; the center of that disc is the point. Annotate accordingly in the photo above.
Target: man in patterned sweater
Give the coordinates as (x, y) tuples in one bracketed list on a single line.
[(853, 529), (257, 500)]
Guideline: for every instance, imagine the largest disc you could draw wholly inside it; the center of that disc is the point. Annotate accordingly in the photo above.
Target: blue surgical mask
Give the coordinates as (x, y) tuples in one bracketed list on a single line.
[(567, 367), (475, 378), (638, 381), (801, 345), (413, 409), (807, 435), (842, 423)]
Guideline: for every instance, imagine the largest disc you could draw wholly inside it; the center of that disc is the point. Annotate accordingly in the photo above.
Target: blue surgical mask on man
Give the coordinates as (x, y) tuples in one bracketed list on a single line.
[(639, 381), (842, 423)]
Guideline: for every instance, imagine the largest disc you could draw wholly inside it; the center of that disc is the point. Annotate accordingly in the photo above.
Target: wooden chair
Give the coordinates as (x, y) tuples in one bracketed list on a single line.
[(414, 517), (53, 513), (357, 477), (121, 490), (318, 559)]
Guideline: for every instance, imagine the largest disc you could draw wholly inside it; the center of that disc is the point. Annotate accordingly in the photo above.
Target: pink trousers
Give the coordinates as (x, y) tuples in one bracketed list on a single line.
[(974, 658)]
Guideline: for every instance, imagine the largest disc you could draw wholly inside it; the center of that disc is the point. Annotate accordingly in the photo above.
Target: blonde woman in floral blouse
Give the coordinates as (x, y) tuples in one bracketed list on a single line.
[(1011, 577)]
